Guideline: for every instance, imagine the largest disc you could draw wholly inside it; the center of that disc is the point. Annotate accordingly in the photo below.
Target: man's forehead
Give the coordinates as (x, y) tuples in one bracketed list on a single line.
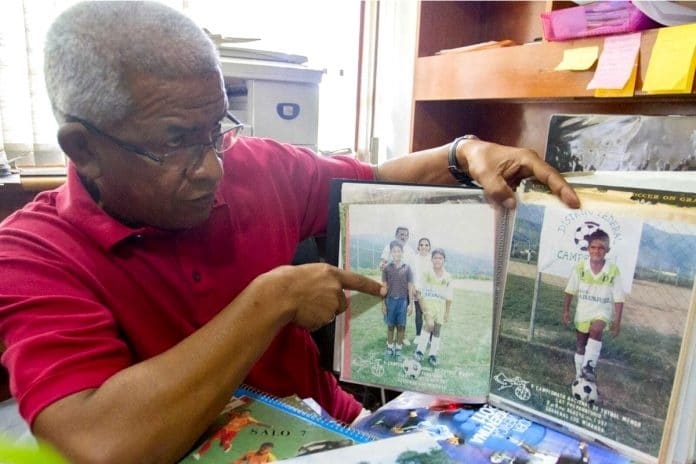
[(178, 105)]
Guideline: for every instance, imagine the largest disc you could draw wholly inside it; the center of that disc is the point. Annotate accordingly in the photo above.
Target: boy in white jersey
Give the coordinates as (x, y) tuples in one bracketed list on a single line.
[(597, 285), (436, 300)]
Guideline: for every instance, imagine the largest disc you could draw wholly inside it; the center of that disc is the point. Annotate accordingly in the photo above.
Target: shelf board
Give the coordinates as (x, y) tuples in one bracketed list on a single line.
[(519, 72)]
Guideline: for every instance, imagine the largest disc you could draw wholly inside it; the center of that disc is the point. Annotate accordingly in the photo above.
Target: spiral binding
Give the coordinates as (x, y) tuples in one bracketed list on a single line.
[(278, 403)]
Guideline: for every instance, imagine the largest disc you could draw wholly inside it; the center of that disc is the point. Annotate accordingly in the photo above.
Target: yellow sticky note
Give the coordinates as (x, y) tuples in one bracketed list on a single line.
[(672, 63), (578, 59), (627, 90)]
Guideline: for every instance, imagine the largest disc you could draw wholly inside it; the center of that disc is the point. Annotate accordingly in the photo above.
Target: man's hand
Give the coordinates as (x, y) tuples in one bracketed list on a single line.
[(411, 305), (499, 169), (316, 292)]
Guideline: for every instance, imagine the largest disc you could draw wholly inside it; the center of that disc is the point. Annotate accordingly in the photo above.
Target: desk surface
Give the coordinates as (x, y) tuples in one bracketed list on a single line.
[(16, 194), (30, 183)]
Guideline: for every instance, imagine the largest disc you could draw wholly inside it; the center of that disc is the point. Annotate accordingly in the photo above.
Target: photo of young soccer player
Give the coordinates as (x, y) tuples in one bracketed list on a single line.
[(455, 292), (592, 330), (597, 285)]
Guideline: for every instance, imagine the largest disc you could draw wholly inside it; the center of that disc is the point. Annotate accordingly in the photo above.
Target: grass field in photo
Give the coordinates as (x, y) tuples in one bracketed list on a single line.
[(635, 372), (465, 350)]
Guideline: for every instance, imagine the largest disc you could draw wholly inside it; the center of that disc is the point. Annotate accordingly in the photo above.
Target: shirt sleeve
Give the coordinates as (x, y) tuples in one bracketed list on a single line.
[(59, 339), (572, 285)]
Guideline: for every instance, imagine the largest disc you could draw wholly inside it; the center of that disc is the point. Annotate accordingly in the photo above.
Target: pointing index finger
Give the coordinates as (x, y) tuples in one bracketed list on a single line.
[(352, 281)]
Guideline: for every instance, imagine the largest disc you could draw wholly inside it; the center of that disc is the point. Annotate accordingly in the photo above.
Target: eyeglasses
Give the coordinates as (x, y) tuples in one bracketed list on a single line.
[(188, 155)]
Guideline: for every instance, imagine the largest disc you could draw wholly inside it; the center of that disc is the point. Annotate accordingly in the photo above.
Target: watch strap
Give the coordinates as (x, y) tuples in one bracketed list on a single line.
[(461, 176)]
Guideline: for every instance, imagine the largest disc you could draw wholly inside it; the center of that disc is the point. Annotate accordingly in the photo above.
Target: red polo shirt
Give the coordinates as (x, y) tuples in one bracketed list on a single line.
[(83, 296)]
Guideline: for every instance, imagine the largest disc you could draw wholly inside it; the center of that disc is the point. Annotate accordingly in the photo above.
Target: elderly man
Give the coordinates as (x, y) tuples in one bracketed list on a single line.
[(136, 297)]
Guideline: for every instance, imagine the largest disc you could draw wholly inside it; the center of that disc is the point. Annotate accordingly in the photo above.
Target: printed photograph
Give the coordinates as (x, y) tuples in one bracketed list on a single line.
[(593, 318), (432, 332), (418, 448), (483, 435), (601, 142)]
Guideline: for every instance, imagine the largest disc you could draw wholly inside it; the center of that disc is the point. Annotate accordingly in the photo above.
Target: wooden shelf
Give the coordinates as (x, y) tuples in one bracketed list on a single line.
[(508, 94), (524, 71)]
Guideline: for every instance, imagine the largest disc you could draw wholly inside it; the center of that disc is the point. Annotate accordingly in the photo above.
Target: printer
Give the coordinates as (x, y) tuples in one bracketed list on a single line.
[(274, 94)]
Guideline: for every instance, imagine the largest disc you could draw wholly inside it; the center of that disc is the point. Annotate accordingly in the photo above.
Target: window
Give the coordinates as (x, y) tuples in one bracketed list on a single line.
[(27, 127), (325, 32)]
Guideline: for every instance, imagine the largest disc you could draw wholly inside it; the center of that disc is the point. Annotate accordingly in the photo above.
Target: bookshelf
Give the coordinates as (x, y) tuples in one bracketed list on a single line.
[(508, 94)]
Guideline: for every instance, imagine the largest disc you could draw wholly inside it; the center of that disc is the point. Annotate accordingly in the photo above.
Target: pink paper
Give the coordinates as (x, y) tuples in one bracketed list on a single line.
[(569, 22), (616, 61)]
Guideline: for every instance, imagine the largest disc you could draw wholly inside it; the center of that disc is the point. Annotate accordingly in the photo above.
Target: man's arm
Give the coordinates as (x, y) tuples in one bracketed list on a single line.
[(498, 168), (154, 410)]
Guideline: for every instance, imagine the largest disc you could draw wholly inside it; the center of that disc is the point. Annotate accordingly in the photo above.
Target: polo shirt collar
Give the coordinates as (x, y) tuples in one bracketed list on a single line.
[(75, 205)]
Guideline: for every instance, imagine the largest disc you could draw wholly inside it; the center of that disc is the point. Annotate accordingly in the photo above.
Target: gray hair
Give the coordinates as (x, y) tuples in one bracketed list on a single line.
[(93, 47)]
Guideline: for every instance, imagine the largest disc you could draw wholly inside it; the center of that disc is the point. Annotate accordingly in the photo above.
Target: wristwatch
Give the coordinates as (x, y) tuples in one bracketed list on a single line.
[(462, 176)]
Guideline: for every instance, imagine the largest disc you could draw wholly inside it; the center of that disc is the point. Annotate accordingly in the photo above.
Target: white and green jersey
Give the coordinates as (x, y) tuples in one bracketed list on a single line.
[(436, 290), (596, 293)]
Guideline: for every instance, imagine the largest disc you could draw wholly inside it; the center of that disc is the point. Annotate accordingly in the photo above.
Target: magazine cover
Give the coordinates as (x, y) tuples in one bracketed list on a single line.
[(414, 448), (481, 435), (597, 307), (255, 427), (433, 330), (604, 142)]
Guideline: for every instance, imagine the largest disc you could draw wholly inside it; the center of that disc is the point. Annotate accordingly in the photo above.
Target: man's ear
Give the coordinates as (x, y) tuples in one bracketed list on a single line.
[(73, 139)]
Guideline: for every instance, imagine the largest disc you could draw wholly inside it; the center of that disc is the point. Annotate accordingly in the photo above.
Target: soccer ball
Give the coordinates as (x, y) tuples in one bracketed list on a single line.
[(584, 390), (583, 232), (412, 368)]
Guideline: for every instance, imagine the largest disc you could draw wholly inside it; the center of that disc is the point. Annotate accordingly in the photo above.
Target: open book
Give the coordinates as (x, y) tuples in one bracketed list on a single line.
[(505, 338)]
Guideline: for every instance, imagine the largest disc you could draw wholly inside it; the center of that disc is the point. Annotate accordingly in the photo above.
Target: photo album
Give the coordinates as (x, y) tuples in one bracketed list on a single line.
[(440, 270), (580, 321)]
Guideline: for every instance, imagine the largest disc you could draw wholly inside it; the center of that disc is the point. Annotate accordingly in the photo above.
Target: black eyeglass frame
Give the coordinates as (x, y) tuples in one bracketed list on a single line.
[(160, 159)]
